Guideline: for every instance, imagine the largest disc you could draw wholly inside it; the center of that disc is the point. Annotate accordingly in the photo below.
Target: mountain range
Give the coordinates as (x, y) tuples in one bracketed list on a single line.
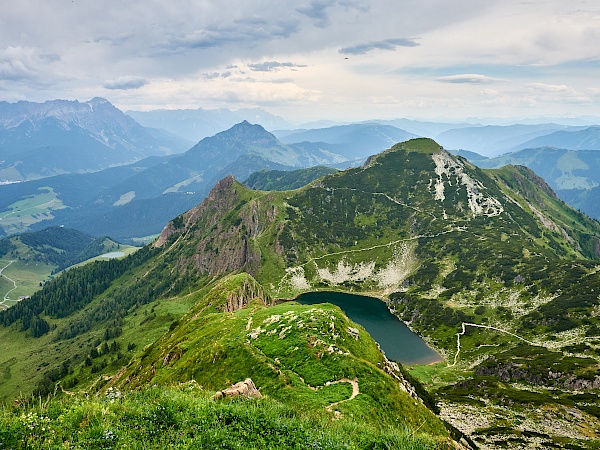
[(196, 124), (39, 140), (355, 142), (573, 174), (136, 200), (489, 266)]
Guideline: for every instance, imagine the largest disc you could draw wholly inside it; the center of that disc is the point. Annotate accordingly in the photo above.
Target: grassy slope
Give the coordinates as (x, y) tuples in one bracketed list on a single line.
[(20, 215), (29, 269), (292, 353), (185, 417)]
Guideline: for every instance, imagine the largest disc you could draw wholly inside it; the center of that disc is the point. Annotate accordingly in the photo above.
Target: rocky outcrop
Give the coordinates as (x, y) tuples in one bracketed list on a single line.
[(222, 229), (393, 369), (508, 372), (245, 388), (248, 291), (221, 199)]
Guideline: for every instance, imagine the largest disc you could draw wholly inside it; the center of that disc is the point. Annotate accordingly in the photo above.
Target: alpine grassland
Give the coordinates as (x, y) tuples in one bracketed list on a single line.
[(184, 416)]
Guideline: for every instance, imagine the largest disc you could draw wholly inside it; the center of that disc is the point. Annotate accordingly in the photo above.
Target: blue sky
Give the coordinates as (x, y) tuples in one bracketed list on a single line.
[(310, 60)]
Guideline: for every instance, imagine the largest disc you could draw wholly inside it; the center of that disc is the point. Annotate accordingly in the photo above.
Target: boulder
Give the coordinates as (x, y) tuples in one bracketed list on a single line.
[(245, 388)]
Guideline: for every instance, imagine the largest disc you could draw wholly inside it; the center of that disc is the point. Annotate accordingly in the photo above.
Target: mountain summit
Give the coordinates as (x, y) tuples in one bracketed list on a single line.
[(60, 136)]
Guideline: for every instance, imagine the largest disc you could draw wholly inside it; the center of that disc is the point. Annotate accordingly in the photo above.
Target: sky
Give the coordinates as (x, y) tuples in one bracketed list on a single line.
[(342, 60)]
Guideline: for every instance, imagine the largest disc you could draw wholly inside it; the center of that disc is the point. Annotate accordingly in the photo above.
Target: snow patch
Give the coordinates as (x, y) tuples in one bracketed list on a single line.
[(479, 204), (298, 278), (347, 272), (396, 271)]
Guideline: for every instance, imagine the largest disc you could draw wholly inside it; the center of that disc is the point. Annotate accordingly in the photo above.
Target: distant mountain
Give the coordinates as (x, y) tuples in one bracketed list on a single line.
[(33, 204), (137, 200), (354, 141), (573, 174), (570, 139), (196, 124), (493, 140), (241, 150), (562, 169), (471, 156), (586, 200), (423, 128), (39, 140)]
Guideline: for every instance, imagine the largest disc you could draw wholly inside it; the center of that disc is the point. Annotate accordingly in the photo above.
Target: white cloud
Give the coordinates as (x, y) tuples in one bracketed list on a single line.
[(425, 58), (273, 66), (543, 87), (468, 78), (126, 82), (25, 63)]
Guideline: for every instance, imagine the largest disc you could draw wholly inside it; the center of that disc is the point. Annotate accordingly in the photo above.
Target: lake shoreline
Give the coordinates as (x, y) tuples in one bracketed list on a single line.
[(396, 339)]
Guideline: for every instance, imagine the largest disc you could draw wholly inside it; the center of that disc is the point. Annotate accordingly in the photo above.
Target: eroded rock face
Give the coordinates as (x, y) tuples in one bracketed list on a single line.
[(249, 291), (222, 229), (245, 388), (221, 198), (451, 170)]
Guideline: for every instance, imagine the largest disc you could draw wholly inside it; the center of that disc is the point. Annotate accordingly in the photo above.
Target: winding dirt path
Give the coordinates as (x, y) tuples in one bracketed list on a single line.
[(464, 330), (3, 302), (355, 391)]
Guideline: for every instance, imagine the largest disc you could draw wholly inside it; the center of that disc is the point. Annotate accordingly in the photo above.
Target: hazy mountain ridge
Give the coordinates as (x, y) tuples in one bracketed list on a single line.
[(279, 180), (196, 124), (355, 141), (573, 174), (44, 139), (139, 204), (577, 138), (493, 140)]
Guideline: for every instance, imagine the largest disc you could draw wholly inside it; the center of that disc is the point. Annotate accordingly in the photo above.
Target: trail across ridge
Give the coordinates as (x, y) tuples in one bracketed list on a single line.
[(3, 302)]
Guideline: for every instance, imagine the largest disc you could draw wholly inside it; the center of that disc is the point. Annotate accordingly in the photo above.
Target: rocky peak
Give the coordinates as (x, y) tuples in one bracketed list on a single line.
[(221, 198), (94, 115), (249, 134)]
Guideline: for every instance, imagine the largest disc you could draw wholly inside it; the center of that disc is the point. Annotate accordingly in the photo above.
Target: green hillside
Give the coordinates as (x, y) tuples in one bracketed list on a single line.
[(31, 259), (281, 180), (186, 417), (489, 266)]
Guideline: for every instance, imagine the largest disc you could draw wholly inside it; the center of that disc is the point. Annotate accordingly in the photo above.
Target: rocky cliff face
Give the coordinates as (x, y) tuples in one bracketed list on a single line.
[(242, 296), (222, 229)]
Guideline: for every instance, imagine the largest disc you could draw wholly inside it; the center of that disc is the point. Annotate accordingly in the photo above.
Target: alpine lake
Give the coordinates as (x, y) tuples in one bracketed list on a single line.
[(398, 342)]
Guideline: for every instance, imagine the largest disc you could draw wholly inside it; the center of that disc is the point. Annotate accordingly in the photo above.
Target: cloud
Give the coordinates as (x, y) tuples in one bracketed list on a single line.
[(272, 66), (245, 31), (216, 75), (125, 83), (25, 63), (557, 94), (386, 44), (469, 78), (317, 10), (543, 87)]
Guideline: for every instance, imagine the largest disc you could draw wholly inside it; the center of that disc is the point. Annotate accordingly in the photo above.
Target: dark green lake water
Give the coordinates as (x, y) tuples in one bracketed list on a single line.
[(397, 341)]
